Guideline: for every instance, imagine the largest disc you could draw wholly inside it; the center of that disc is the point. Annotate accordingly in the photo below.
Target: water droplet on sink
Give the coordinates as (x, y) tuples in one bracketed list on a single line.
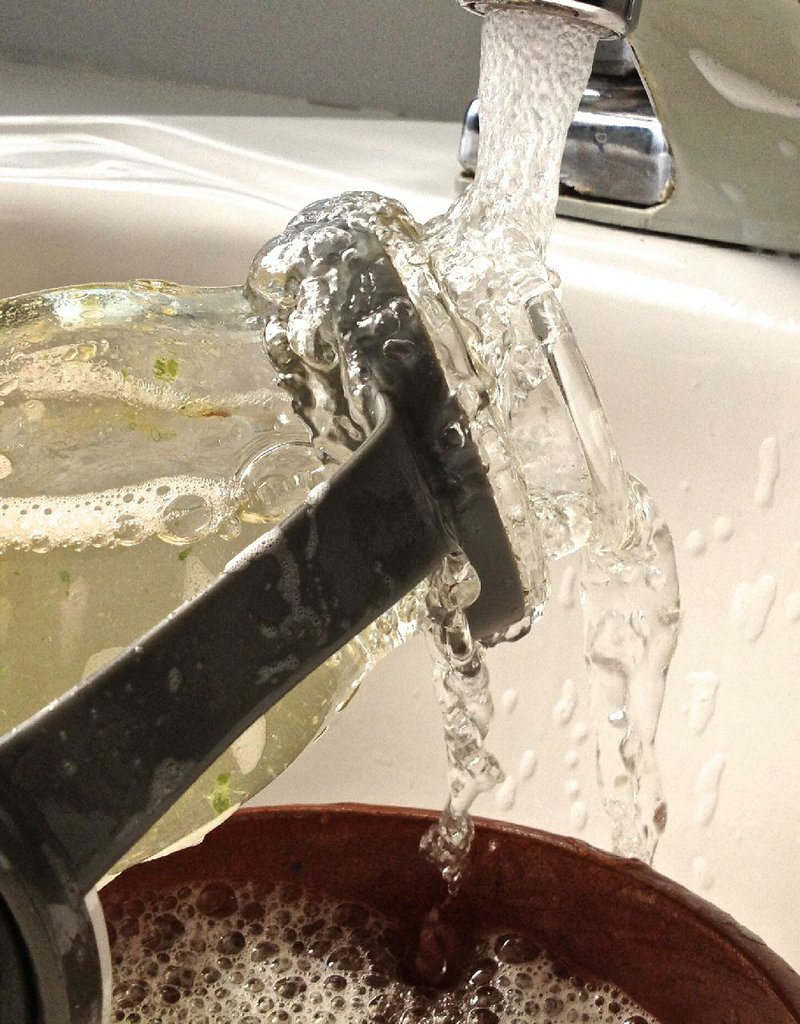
[(704, 686), (702, 873), (696, 542), (527, 764), (706, 789), (506, 793), (580, 732), (509, 700), (723, 528), (564, 708), (578, 815), (751, 605), (769, 467)]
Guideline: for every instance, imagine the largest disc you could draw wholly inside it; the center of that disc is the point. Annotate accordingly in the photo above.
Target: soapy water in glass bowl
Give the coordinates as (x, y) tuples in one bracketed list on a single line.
[(148, 432)]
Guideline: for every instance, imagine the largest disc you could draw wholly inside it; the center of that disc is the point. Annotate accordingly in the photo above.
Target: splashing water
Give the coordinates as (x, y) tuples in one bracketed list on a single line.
[(462, 684), (325, 389), (488, 252), (630, 603), (478, 278)]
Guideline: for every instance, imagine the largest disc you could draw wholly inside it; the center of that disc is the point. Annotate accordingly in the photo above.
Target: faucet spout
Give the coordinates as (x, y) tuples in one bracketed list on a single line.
[(612, 17)]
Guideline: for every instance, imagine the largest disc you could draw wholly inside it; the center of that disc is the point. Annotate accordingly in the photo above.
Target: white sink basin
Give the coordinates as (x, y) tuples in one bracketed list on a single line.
[(696, 353)]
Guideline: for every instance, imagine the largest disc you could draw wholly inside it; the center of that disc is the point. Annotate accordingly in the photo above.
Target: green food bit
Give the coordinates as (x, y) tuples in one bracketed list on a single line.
[(184, 553), (221, 795), (165, 369), (126, 372), (221, 802), (621, 780), (3, 672), (66, 581)]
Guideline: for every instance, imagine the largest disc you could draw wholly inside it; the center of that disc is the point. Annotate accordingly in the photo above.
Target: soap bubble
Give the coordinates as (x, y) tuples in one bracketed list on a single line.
[(209, 953)]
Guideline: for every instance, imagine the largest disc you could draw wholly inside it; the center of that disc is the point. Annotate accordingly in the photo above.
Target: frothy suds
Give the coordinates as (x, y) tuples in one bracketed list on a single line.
[(177, 509), (213, 955)]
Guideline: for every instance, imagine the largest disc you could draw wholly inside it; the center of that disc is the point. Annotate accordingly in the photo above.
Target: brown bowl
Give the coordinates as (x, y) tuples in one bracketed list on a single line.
[(680, 957)]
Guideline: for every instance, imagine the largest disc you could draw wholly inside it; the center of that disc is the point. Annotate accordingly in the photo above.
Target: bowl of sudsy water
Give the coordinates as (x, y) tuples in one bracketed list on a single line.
[(330, 914)]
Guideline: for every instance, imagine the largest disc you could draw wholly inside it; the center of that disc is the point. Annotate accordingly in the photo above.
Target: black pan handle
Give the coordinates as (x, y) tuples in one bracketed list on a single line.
[(106, 761)]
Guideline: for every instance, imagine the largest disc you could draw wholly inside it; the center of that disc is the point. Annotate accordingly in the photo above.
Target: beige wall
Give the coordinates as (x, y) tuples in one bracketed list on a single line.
[(415, 57)]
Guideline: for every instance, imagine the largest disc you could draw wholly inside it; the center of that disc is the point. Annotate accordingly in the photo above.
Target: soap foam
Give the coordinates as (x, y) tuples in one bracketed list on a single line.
[(177, 509), (211, 955)]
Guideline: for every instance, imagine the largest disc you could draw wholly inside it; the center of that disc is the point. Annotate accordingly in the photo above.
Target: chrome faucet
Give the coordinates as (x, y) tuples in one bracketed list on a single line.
[(691, 129), (616, 148)]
